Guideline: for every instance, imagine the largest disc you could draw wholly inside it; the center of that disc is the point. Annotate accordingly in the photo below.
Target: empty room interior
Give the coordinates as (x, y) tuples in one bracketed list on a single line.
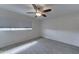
[(39, 28)]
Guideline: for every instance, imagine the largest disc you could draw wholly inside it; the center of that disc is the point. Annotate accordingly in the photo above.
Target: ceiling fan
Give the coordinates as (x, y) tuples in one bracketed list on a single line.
[(39, 10)]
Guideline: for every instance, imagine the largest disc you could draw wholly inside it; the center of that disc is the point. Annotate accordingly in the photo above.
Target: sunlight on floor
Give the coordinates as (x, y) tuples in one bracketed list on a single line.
[(21, 48)]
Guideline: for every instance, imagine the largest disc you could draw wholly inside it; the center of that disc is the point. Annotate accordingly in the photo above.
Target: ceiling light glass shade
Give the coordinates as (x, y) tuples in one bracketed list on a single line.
[(38, 14)]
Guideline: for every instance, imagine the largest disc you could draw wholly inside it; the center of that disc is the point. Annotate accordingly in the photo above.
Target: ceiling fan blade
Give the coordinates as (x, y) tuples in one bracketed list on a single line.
[(31, 12), (37, 7), (44, 15), (47, 10), (34, 6)]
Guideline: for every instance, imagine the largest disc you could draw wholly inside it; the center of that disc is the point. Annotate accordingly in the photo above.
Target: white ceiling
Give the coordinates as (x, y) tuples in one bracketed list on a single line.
[(19, 8), (66, 9), (59, 9)]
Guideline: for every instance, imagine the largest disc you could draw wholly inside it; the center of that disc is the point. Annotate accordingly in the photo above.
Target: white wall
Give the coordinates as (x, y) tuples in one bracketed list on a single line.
[(11, 37), (64, 29)]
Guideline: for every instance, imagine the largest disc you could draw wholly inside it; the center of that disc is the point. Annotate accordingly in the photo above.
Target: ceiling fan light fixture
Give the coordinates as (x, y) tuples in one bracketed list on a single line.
[(38, 14)]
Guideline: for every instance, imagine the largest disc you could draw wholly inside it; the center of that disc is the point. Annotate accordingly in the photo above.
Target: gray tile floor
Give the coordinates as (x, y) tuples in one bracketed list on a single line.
[(46, 46)]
